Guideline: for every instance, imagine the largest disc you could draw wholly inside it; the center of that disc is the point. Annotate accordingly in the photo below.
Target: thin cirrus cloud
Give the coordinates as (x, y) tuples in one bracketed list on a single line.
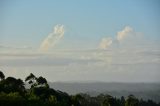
[(53, 38), (12, 47)]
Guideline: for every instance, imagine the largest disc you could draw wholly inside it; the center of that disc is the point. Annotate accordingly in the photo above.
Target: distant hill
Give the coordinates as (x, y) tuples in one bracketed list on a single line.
[(140, 90)]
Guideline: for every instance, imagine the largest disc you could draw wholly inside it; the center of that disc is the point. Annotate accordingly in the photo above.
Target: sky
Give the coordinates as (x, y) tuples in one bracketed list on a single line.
[(81, 40)]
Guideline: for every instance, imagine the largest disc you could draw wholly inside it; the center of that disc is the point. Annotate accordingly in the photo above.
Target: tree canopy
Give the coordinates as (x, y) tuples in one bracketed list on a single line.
[(14, 93), (2, 75)]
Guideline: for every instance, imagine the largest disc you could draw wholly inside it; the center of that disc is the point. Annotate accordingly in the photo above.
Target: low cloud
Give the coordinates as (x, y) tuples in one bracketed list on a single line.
[(12, 47), (53, 38), (44, 60), (124, 33), (127, 32), (105, 43)]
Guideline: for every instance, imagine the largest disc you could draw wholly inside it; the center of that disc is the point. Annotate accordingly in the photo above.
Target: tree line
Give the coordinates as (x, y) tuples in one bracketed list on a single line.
[(13, 92)]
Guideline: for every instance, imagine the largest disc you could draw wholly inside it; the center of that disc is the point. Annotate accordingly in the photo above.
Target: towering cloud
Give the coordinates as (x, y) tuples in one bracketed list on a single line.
[(121, 35), (105, 43), (124, 33), (52, 38)]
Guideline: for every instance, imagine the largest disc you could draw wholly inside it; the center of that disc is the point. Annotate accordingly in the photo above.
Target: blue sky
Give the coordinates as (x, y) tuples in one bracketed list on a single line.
[(88, 33), (30, 21)]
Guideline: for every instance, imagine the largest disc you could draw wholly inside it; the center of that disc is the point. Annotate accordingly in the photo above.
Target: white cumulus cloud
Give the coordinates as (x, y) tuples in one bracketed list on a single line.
[(127, 34), (53, 38), (124, 33), (105, 43)]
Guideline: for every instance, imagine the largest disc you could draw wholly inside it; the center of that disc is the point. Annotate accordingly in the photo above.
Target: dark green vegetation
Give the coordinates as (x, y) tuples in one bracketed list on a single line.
[(14, 93)]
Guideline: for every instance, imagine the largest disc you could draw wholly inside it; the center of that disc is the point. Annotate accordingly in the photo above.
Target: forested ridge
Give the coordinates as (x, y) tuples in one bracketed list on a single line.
[(13, 92)]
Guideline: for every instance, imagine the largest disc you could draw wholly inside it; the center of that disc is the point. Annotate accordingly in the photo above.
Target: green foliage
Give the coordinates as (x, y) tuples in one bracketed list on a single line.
[(41, 80), (13, 93), (132, 101), (31, 79), (1, 75), (11, 98), (52, 99), (33, 97)]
